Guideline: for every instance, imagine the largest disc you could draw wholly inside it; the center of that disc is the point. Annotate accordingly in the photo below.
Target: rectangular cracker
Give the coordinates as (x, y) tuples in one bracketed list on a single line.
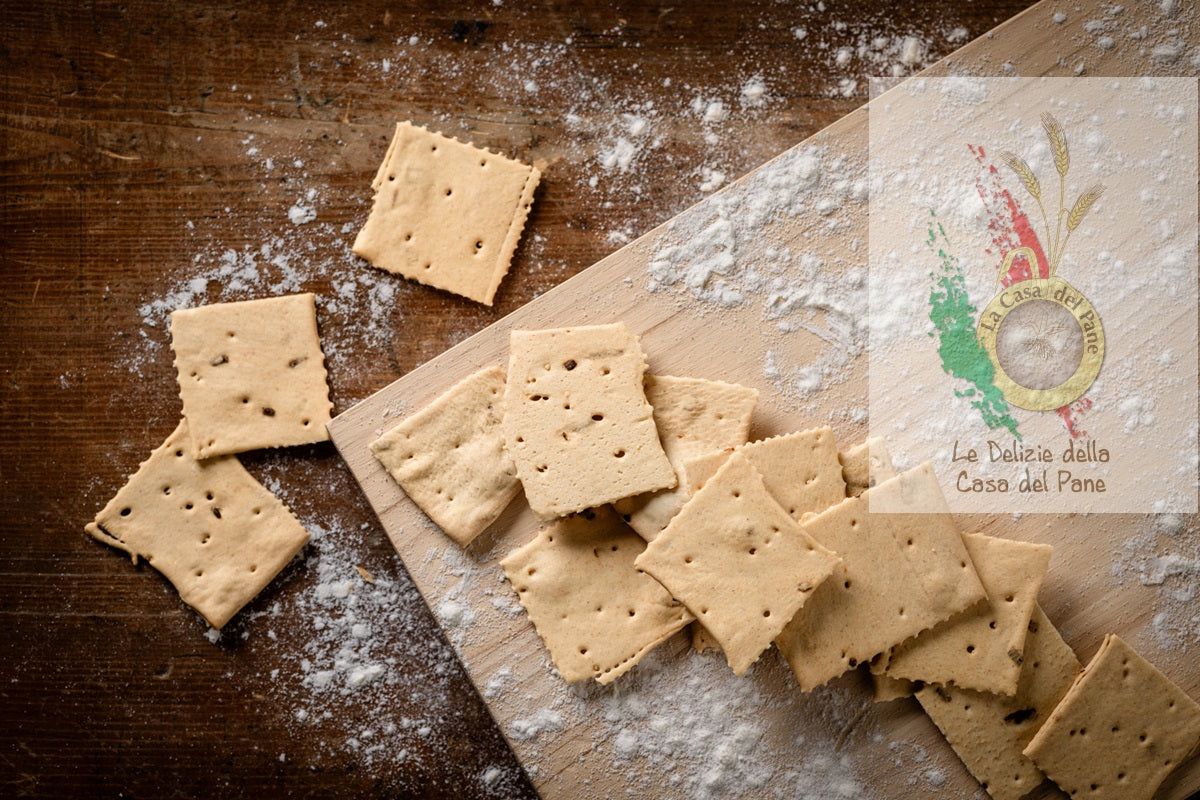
[(739, 563), (982, 648), (208, 526), (801, 470), (866, 464), (798, 468), (989, 731), (1122, 727), (597, 613), (576, 420), (446, 214), (251, 374), (900, 574), (693, 416), (449, 457)]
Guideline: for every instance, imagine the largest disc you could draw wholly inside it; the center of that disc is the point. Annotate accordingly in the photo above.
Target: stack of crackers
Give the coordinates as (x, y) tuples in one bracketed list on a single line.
[(659, 514), (251, 375)]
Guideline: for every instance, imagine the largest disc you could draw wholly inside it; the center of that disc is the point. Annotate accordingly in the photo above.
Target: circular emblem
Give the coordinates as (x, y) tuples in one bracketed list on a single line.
[(1045, 342)]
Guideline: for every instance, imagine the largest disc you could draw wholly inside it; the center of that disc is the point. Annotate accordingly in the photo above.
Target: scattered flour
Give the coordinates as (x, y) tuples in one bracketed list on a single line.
[(727, 255), (1164, 553), (545, 720), (301, 214)]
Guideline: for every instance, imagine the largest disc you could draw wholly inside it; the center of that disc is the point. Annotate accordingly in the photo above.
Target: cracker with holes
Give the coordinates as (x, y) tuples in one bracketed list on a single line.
[(693, 417), (900, 574), (864, 465), (1122, 727), (208, 526), (449, 457), (989, 731), (576, 420), (251, 374), (801, 470), (981, 649), (738, 561), (446, 214), (597, 614)]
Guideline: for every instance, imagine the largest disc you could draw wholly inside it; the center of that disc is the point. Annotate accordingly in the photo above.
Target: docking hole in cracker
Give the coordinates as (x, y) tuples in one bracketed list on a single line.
[(214, 531), (446, 214), (251, 374)]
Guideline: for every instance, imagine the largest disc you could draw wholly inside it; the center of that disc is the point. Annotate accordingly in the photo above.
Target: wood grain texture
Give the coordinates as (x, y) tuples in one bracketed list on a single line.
[(125, 171)]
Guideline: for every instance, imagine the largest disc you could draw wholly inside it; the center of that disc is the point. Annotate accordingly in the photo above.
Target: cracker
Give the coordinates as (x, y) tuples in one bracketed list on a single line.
[(576, 421), (981, 649), (865, 465), (208, 526), (446, 214), (251, 374), (736, 559), (989, 731), (801, 470), (596, 612), (901, 573), (1122, 727), (693, 416), (789, 461), (696, 471), (449, 457), (693, 474), (887, 688)]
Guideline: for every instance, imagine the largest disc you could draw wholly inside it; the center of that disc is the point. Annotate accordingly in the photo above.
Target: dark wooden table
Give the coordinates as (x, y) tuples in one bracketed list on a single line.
[(165, 154)]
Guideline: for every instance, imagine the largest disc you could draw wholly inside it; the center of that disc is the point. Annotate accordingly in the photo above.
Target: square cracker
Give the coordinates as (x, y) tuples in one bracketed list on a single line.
[(981, 649), (736, 559), (801, 470), (251, 374), (865, 464), (576, 420), (1122, 727), (989, 731), (446, 214), (208, 526), (597, 613), (693, 416), (449, 457), (901, 573)]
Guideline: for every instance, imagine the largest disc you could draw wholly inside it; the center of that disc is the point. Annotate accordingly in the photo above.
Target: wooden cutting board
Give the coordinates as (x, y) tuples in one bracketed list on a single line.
[(680, 725)]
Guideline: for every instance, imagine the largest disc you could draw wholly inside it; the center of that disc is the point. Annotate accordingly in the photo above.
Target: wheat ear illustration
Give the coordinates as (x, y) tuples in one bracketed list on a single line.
[(1023, 171), (1062, 164), (1078, 211)]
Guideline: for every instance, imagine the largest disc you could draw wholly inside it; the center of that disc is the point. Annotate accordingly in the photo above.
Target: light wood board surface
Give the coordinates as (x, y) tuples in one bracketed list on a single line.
[(576, 742)]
